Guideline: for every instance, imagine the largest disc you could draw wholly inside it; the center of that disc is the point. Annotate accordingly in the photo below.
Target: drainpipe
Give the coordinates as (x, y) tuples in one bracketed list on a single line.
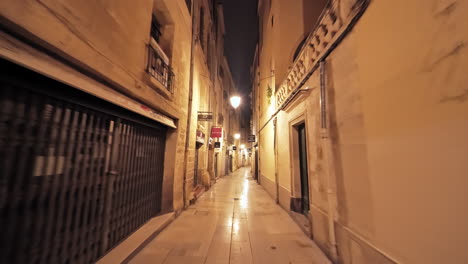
[(328, 149), (275, 146), (189, 107)]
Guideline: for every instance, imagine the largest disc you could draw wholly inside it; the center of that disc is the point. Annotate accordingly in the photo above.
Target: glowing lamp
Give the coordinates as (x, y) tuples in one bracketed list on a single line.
[(235, 101)]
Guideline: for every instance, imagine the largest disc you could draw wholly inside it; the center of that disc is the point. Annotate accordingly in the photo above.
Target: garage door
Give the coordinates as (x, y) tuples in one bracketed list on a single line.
[(78, 175)]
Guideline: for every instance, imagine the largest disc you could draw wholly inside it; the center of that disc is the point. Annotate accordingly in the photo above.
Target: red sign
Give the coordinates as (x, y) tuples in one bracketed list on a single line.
[(216, 132)]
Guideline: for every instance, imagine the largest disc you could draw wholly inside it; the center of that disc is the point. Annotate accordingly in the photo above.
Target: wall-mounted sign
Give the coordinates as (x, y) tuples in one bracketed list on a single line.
[(216, 132), (217, 144), (205, 116), (234, 147), (251, 138), (200, 137)]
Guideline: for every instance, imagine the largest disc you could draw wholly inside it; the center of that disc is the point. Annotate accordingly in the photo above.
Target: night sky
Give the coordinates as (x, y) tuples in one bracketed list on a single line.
[(241, 38)]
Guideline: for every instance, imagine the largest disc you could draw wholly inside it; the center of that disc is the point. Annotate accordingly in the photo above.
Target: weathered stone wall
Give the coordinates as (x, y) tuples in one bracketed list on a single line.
[(202, 84), (208, 87), (398, 108), (267, 152), (410, 132), (349, 139), (398, 120)]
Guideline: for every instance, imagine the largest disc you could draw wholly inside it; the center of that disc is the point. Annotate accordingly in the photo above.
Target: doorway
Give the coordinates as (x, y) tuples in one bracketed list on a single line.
[(226, 163), (196, 174), (256, 164), (303, 168), (216, 166)]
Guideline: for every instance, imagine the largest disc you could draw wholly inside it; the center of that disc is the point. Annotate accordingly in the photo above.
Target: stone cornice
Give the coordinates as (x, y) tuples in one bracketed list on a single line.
[(333, 24)]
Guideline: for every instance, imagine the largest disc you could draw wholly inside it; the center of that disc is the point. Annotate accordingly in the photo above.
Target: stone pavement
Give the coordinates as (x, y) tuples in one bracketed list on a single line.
[(235, 222)]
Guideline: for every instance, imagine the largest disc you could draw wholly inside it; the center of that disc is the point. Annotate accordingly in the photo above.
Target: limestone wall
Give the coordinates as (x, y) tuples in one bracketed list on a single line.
[(405, 129), (398, 123)]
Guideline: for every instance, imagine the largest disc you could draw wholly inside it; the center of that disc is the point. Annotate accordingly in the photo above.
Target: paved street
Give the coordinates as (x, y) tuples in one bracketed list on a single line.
[(236, 221)]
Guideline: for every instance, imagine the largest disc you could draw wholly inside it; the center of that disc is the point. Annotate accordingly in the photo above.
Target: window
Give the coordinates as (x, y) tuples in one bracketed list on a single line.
[(208, 59), (214, 13), (158, 65), (189, 5), (220, 119), (155, 29), (221, 72), (201, 33)]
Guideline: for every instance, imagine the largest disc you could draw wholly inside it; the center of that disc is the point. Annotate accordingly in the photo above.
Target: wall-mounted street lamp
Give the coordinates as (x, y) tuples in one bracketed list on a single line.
[(237, 136), (235, 101)]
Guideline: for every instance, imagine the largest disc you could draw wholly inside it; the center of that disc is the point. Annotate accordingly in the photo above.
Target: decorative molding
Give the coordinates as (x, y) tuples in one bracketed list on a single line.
[(296, 98), (332, 25)]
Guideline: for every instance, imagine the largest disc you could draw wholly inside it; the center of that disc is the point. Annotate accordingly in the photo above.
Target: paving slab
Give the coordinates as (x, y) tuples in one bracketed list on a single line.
[(235, 222)]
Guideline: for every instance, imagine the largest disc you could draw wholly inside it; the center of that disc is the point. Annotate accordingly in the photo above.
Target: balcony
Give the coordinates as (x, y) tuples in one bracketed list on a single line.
[(158, 67)]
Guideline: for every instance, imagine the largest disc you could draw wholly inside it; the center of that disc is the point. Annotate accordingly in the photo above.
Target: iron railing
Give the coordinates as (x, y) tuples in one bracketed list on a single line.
[(159, 69), (137, 189), (75, 177)]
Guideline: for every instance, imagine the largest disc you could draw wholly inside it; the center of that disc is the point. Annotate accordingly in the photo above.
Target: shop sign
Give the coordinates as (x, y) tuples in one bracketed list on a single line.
[(200, 137), (216, 132), (205, 116), (234, 147), (217, 145), (251, 138)]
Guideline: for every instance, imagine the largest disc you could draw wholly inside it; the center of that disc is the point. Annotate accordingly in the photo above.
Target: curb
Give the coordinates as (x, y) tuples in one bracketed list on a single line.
[(130, 247)]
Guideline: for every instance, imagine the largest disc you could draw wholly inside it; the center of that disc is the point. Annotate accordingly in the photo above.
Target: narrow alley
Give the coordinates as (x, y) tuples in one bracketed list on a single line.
[(233, 132), (235, 222)]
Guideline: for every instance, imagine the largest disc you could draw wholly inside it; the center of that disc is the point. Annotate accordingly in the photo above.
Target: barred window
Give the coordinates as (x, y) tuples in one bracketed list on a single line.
[(155, 29)]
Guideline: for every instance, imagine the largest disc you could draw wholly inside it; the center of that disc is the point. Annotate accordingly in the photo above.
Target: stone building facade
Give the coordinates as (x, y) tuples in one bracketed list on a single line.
[(212, 86), (360, 113), (136, 75)]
